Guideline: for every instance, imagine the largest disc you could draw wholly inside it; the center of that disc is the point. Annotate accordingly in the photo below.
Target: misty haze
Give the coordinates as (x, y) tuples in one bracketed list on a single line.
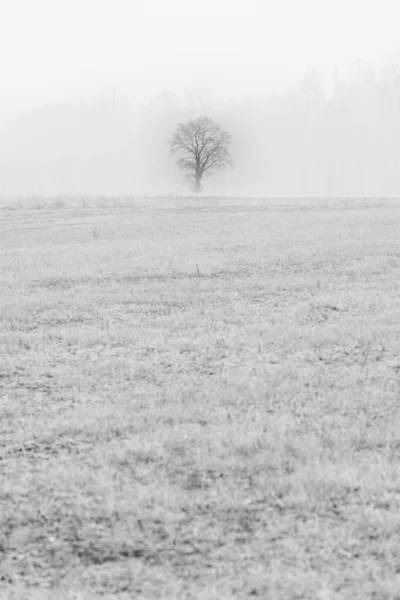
[(199, 300), (331, 132), (90, 95)]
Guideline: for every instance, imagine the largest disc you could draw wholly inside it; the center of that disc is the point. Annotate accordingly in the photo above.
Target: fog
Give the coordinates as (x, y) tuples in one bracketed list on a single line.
[(91, 91)]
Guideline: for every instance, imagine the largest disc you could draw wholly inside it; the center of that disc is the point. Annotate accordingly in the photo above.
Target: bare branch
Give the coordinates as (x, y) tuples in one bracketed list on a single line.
[(202, 146)]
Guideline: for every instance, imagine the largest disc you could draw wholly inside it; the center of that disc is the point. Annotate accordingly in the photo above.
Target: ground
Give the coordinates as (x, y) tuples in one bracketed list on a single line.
[(199, 399)]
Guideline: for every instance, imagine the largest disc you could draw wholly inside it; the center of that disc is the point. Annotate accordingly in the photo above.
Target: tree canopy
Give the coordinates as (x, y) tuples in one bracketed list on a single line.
[(203, 147)]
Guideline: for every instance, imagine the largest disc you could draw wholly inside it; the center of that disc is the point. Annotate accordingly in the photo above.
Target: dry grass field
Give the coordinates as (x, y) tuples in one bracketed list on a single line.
[(199, 399)]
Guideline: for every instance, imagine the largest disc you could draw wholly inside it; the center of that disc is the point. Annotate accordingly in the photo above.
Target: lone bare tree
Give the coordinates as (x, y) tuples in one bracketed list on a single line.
[(202, 146)]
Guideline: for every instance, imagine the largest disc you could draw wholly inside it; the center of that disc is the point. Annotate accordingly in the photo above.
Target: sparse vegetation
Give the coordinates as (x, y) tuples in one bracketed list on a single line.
[(201, 402)]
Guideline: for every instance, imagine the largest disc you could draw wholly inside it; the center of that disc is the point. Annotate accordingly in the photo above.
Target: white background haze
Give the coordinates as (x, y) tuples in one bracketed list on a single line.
[(90, 91)]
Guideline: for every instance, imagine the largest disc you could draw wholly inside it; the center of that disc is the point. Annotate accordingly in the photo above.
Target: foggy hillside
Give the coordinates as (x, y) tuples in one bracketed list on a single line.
[(314, 139)]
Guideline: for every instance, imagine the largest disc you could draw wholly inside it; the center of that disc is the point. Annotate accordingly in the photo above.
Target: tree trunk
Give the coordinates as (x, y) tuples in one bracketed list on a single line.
[(197, 183)]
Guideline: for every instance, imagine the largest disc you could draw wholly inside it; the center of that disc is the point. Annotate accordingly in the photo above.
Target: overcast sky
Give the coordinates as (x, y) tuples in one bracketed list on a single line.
[(55, 49)]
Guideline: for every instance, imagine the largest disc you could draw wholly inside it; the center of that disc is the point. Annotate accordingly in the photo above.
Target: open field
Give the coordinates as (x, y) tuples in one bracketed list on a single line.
[(200, 400)]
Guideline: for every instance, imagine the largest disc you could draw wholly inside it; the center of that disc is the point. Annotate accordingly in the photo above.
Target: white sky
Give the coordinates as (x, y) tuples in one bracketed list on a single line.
[(53, 47)]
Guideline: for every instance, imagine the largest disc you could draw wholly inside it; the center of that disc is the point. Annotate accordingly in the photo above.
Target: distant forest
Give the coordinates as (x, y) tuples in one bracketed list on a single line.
[(341, 138)]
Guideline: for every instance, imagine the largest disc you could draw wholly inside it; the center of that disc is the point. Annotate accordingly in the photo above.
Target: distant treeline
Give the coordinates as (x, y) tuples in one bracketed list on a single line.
[(344, 139)]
